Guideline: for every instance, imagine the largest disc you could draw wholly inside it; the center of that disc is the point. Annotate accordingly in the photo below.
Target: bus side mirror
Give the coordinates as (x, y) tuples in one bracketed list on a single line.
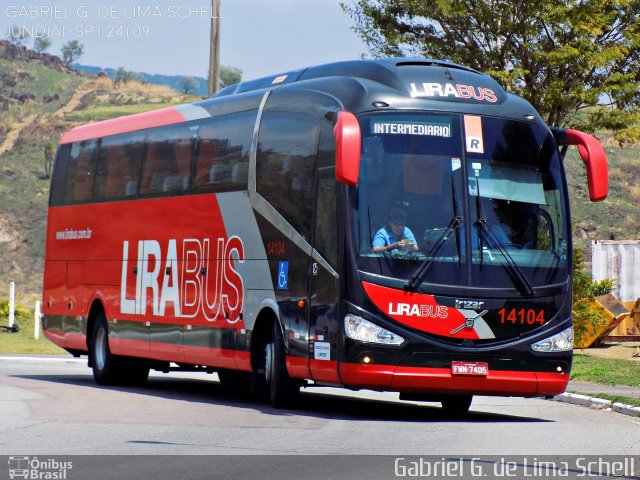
[(594, 158), (348, 145)]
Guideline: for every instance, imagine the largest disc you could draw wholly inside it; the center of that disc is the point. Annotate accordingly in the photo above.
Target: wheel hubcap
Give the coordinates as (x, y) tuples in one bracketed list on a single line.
[(268, 364), (101, 349)]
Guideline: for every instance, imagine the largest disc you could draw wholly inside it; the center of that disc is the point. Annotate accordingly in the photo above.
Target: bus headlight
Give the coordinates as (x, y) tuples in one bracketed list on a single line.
[(560, 342), (363, 330)]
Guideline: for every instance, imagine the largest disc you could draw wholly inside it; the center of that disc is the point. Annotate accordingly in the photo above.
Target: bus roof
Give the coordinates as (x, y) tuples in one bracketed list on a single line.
[(382, 71), (129, 123), (399, 83), (358, 86)]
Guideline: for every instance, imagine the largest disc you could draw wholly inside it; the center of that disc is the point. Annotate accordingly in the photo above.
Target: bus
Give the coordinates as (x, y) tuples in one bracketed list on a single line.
[(245, 235)]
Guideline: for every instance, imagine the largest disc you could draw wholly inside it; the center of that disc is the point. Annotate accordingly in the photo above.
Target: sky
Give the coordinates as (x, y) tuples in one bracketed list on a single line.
[(171, 37)]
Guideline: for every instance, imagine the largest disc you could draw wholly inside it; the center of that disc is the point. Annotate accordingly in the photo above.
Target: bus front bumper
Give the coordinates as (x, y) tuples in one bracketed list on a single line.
[(442, 381)]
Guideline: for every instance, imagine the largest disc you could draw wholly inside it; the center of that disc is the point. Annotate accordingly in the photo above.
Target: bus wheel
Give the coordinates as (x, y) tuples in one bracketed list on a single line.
[(457, 403), (283, 390), (109, 369)]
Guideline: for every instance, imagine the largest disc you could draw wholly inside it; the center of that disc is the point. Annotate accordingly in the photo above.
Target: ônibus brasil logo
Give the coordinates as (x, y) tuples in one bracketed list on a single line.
[(208, 282), (38, 469)]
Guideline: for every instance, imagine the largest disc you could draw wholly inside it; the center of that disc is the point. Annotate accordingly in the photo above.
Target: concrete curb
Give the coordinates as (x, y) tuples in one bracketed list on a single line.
[(597, 403), (584, 400), (626, 409)]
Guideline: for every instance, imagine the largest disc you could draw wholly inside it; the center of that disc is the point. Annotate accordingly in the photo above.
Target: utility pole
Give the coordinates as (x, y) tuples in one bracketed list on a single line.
[(214, 52)]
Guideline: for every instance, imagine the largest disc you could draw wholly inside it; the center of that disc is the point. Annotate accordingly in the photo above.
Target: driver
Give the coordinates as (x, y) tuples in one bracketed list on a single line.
[(394, 236)]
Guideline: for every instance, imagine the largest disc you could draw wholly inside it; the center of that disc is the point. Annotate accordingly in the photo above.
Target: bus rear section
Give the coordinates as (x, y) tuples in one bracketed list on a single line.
[(390, 225)]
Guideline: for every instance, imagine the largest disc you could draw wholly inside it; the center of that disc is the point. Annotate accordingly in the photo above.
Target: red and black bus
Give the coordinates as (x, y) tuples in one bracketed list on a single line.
[(237, 235)]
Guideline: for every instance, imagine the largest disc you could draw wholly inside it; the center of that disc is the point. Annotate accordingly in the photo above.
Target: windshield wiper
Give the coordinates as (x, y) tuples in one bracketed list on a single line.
[(416, 278), (511, 266), (484, 231)]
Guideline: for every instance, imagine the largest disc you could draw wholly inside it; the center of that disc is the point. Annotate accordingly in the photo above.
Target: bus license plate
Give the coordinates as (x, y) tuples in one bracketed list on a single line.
[(470, 368)]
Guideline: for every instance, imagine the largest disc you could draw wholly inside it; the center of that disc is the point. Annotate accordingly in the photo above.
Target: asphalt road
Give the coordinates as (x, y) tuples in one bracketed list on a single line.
[(51, 406)]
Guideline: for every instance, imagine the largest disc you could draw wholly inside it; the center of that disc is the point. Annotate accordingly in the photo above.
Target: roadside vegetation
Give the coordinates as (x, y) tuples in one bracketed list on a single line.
[(616, 217), (606, 371), (23, 341), (587, 317)]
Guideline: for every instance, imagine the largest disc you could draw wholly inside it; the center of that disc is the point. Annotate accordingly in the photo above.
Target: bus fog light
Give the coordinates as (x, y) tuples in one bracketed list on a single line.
[(363, 330), (366, 359), (560, 342)]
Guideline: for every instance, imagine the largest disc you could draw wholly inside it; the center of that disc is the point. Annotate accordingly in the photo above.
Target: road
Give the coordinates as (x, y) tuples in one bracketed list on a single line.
[(52, 406)]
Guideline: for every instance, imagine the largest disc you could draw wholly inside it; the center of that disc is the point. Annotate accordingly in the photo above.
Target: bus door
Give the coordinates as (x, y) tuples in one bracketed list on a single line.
[(131, 335), (323, 285), (73, 329), (164, 329)]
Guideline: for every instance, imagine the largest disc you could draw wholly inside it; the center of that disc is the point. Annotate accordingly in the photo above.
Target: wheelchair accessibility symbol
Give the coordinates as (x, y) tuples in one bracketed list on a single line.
[(283, 275)]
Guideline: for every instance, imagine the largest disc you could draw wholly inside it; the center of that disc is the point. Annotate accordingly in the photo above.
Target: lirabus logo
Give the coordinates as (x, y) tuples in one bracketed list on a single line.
[(417, 310), (455, 90), (207, 282)]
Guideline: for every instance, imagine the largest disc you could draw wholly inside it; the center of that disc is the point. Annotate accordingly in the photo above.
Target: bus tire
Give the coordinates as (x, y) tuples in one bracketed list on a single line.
[(109, 369), (259, 387), (283, 390), (457, 404)]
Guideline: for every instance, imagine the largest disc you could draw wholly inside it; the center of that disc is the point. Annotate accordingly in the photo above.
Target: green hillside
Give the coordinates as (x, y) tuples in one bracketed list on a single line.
[(618, 216), (40, 99)]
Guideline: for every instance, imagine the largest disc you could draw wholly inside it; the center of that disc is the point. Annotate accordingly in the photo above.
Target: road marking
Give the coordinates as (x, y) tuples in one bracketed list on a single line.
[(20, 359)]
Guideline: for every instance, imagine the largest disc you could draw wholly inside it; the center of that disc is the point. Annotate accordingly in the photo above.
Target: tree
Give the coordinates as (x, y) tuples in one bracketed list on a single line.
[(71, 52), (41, 44), (17, 35), (561, 56), (124, 76), (49, 152), (229, 75), (587, 318), (188, 84)]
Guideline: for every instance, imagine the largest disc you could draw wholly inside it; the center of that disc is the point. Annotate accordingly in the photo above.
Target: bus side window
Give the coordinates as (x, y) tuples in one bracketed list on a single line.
[(287, 149), (80, 173), (168, 160), (222, 156), (118, 166), (207, 157), (59, 175)]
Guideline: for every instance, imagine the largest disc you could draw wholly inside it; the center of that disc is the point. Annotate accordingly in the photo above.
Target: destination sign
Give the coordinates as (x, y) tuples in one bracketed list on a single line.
[(412, 128)]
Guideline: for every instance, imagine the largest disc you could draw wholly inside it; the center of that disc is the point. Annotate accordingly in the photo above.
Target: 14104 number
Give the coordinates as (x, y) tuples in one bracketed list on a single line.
[(522, 316)]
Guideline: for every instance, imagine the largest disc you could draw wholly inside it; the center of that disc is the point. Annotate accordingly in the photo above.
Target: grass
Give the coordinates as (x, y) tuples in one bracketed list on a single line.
[(605, 371), (23, 342), (23, 208), (614, 216), (41, 81), (104, 112)]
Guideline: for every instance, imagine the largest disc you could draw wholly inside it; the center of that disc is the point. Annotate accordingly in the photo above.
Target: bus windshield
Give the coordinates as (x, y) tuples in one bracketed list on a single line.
[(452, 199)]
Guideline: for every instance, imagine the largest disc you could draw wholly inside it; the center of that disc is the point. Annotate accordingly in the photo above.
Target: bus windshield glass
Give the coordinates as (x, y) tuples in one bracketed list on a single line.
[(452, 199)]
